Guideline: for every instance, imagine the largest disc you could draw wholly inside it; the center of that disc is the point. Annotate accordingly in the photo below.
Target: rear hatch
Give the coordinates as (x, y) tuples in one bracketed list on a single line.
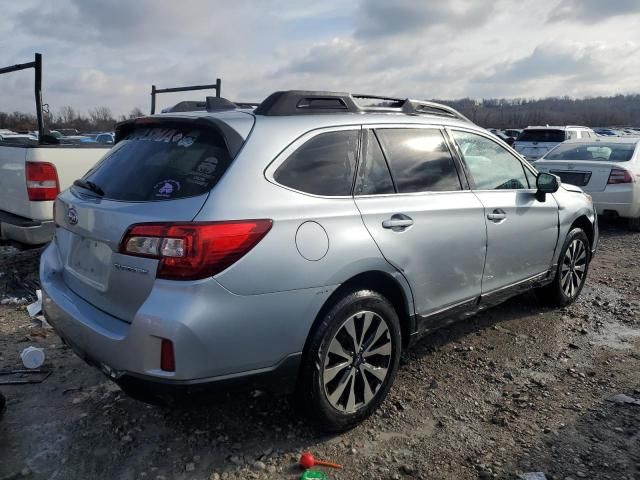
[(160, 170), (533, 144), (587, 165)]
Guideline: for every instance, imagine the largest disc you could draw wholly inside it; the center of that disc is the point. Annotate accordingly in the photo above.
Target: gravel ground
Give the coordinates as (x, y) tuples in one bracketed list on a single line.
[(519, 388)]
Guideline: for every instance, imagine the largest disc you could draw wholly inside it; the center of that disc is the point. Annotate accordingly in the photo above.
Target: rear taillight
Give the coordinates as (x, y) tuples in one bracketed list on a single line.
[(189, 251), (167, 357), (42, 181), (619, 175)]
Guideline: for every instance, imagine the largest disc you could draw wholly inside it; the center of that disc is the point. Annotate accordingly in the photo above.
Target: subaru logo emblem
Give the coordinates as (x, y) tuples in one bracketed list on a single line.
[(72, 216)]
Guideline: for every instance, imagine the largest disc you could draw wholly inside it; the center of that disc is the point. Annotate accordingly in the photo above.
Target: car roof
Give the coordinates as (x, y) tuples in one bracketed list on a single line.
[(555, 127), (17, 135), (595, 141)]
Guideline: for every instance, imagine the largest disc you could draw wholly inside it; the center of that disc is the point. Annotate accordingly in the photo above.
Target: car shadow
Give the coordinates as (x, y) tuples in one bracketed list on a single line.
[(614, 227), (519, 306)]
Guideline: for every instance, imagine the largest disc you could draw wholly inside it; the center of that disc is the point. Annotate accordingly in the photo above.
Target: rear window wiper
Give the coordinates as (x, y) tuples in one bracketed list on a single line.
[(89, 185)]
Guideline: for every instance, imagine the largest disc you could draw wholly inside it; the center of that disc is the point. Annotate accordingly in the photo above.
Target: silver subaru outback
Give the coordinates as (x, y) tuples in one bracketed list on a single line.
[(300, 245)]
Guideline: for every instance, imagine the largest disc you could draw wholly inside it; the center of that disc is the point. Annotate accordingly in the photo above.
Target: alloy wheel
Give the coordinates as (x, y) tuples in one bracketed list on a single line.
[(574, 266), (357, 361)]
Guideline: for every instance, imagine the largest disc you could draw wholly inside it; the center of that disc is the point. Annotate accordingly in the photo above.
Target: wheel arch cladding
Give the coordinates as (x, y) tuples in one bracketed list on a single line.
[(377, 281), (585, 224)]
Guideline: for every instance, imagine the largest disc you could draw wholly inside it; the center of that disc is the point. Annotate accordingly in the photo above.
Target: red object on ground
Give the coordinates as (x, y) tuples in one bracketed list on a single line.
[(307, 460)]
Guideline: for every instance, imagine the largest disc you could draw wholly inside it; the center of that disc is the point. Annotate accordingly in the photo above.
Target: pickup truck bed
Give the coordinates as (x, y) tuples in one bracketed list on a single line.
[(27, 221)]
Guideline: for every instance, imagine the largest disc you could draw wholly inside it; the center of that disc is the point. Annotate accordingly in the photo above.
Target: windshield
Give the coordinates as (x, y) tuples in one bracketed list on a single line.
[(541, 135), (604, 152), (175, 160)]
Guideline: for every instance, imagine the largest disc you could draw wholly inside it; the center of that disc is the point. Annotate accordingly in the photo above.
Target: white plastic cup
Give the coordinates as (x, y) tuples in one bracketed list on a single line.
[(32, 357)]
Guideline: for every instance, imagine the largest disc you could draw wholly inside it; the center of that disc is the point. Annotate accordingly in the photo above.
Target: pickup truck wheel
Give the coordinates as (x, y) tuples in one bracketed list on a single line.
[(571, 273), (634, 224), (350, 362)]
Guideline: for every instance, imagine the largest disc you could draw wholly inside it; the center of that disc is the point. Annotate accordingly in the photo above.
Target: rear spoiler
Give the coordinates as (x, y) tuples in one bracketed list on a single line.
[(37, 89), (154, 91), (232, 139)]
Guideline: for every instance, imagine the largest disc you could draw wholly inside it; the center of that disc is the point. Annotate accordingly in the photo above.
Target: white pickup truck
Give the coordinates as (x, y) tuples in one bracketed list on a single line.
[(34, 170), (31, 176)]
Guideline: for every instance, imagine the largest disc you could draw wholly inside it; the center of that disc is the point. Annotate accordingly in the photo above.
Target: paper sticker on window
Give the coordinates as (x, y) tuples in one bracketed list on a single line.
[(166, 188), (189, 139), (203, 171), (207, 166)]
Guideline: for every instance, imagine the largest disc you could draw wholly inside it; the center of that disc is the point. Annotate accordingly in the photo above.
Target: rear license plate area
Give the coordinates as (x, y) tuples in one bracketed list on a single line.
[(90, 261)]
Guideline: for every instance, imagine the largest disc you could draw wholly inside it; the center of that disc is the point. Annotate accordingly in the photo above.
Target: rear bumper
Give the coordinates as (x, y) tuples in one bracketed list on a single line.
[(25, 230), (617, 200), (218, 337)]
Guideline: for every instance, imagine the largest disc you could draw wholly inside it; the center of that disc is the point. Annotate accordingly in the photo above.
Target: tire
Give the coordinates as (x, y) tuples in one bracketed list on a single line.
[(356, 381), (572, 270), (634, 224)]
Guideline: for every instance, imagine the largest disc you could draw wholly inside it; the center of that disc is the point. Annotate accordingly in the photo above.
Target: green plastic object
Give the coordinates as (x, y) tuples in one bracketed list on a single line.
[(314, 475)]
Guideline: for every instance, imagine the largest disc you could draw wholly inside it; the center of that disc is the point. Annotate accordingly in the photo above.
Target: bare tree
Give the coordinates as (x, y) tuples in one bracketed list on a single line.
[(616, 110), (67, 116), (101, 118), (136, 113)]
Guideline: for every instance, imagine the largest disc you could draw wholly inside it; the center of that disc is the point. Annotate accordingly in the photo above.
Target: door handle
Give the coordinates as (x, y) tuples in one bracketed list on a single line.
[(398, 222), (497, 215)]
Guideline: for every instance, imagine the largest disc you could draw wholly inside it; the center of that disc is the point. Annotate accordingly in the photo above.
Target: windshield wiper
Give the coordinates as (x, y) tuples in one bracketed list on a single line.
[(88, 185)]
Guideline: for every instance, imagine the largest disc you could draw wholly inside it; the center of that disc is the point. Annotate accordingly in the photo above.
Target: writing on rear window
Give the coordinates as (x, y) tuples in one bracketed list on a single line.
[(165, 135), (162, 163)]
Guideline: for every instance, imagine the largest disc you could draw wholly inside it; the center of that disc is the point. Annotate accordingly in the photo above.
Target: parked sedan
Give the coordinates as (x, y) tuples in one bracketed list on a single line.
[(607, 168)]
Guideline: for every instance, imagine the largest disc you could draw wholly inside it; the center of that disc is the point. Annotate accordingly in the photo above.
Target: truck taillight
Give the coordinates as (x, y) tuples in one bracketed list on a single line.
[(42, 181), (619, 175), (194, 250)]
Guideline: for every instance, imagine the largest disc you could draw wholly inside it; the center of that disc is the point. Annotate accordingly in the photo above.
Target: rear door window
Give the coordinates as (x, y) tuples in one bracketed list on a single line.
[(373, 175), (162, 163), (324, 165), (419, 159), (542, 135)]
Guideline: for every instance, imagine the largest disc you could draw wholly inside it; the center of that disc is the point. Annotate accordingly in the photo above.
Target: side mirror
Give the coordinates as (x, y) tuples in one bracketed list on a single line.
[(546, 183)]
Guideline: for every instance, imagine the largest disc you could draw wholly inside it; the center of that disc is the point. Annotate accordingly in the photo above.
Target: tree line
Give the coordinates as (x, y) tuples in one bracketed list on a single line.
[(618, 110), (97, 119)]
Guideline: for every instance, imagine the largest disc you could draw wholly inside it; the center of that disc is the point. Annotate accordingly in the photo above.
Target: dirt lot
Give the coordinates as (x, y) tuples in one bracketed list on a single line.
[(519, 388)]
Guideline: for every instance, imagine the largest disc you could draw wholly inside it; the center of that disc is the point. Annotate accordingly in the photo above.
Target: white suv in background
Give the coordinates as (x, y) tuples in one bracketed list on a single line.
[(534, 142)]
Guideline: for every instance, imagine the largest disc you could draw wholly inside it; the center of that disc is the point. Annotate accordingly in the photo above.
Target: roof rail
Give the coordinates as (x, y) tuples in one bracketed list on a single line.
[(216, 86), (302, 102), (432, 108)]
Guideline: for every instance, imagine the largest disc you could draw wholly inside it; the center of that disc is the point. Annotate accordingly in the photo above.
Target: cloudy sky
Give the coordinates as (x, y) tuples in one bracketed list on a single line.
[(109, 53)]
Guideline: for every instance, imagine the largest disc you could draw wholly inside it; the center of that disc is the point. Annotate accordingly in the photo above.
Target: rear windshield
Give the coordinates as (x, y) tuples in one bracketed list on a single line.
[(604, 152), (541, 135), (162, 163)]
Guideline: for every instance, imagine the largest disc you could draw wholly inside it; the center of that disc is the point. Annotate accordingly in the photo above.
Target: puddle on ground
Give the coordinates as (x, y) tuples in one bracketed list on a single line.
[(617, 336)]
